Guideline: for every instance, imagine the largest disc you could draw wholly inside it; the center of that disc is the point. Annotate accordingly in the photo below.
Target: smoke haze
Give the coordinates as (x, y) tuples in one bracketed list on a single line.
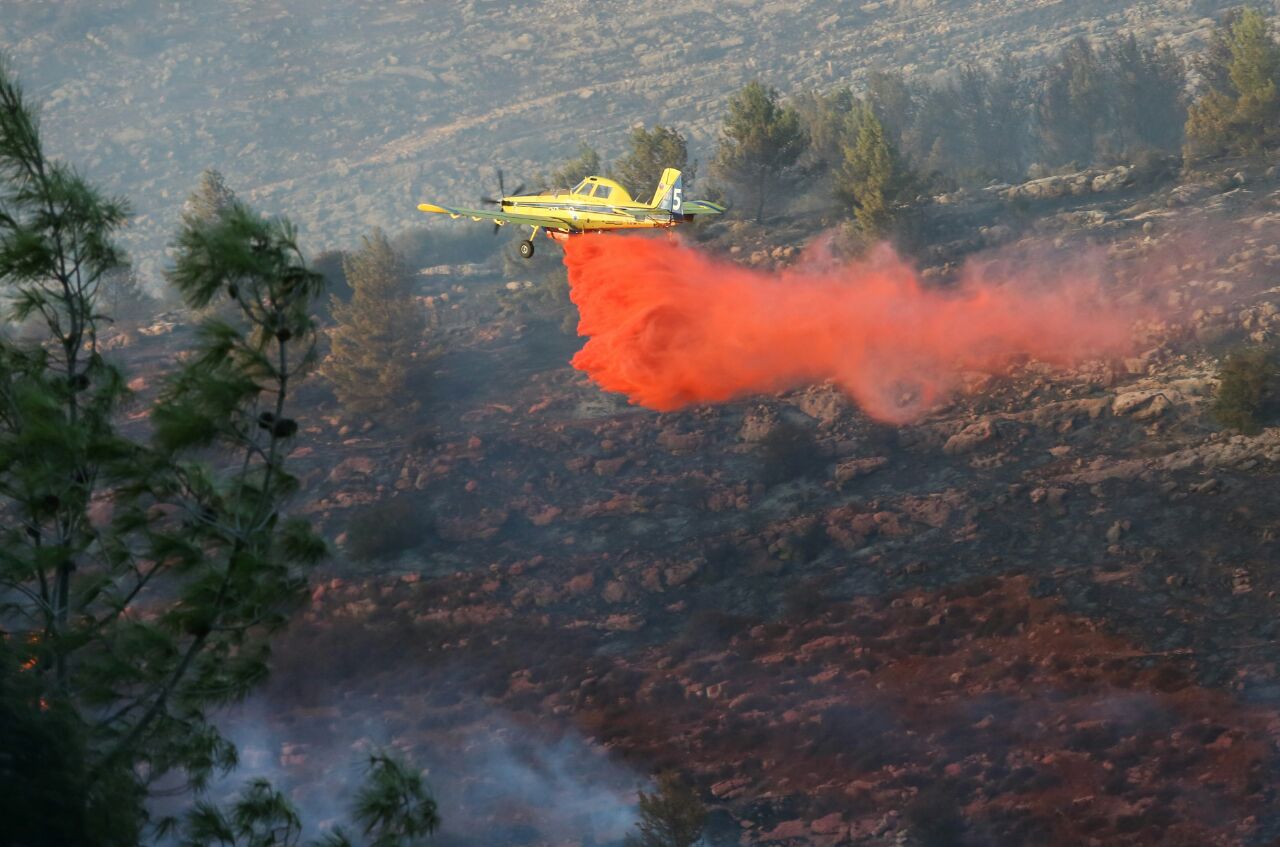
[(670, 326), (496, 781)]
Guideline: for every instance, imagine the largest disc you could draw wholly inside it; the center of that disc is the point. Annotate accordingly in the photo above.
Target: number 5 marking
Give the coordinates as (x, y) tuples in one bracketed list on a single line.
[(676, 200)]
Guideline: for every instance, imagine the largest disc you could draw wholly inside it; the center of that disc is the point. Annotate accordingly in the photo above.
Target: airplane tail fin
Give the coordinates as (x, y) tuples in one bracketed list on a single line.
[(670, 193)]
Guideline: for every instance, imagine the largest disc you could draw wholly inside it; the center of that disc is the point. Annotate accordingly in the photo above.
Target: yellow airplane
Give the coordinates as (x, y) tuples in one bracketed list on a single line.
[(596, 204)]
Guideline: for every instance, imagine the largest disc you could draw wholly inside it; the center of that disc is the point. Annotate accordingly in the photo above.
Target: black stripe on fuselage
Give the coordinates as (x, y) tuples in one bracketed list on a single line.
[(554, 206)]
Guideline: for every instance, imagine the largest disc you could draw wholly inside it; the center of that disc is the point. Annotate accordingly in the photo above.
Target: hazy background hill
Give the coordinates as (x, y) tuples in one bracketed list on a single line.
[(344, 113)]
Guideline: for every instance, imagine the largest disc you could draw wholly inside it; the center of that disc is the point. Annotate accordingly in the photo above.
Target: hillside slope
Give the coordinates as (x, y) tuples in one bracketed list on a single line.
[(343, 114), (1056, 593)]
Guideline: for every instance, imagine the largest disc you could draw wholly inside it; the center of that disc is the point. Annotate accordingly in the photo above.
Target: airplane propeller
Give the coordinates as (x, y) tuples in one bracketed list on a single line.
[(502, 193)]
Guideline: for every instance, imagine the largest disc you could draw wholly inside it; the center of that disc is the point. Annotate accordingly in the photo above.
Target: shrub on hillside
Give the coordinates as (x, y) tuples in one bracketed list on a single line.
[(1246, 395)]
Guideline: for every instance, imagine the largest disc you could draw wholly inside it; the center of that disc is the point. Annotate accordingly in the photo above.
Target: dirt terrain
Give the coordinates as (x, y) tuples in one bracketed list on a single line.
[(344, 115), (1045, 614)]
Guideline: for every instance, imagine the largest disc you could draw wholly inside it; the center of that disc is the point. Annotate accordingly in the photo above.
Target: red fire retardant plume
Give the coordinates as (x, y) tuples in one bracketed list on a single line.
[(670, 326)]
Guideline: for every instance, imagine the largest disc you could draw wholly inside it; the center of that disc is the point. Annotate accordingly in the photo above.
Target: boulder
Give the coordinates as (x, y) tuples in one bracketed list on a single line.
[(615, 591), (680, 573), (545, 516), (1113, 179), (933, 510), (679, 442), (825, 404), (758, 424), (1138, 404), (350, 468), (729, 788), (609, 467), (788, 830), (853, 468), (623, 623), (969, 438), (1157, 407), (581, 584), (831, 824)]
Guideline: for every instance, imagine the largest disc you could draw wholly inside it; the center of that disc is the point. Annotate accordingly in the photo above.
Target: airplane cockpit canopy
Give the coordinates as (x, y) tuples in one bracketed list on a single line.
[(601, 189)]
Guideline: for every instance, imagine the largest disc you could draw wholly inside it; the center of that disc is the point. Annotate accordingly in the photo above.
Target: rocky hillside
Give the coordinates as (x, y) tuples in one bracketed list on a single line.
[(344, 115), (1046, 614)]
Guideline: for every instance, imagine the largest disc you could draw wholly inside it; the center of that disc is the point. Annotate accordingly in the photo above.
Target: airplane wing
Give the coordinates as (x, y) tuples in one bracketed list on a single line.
[(702, 207), (548, 220)]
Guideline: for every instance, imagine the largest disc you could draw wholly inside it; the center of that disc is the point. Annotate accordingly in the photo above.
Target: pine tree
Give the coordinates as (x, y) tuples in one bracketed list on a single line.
[(760, 143), (929, 139), (653, 150), (122, 298), (1213, 65), (1255, 70), (967, 92), (1211, 127), (375, 347), (210, 198), (130, 627), (825, 118), (1005, 127), (872, 178), (1240, 111), (672, 816), (328, 263), (392, 808), (972, 126), (1255, 58), (1071, 109), (894, 101), (1146, 108)]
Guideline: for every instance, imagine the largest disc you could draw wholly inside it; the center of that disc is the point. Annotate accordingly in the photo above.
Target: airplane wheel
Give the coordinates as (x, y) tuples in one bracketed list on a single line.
[(526, 249)]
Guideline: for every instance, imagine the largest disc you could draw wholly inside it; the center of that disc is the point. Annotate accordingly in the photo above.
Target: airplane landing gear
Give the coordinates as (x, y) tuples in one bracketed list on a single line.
[(526, 247)]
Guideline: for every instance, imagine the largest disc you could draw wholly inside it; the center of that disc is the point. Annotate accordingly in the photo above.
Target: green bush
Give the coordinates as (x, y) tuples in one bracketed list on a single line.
[(1246, 395)]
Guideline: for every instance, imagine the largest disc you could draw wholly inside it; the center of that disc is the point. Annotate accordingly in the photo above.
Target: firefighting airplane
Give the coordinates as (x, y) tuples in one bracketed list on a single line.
[(596, 204)]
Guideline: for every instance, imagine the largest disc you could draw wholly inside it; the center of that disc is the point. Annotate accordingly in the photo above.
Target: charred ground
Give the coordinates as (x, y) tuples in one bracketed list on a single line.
[(1044, 614)]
